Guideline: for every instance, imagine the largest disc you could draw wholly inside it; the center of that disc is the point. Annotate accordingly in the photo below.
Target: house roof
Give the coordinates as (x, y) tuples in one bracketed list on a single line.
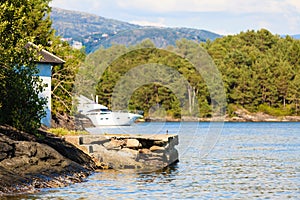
[(47, 57)]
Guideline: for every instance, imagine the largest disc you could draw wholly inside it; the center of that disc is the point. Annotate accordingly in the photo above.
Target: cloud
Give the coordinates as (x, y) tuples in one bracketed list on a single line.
[(79, 5), (159, 23), (236, 6), (171, 5), (227, 16), (295, 4)]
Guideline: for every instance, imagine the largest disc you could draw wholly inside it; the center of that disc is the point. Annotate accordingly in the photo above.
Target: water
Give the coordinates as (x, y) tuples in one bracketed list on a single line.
[(217, 161)]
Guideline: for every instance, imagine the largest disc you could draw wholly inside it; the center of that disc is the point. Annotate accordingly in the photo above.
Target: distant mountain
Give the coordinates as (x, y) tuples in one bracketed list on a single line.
[(94, 31), (296, 36)]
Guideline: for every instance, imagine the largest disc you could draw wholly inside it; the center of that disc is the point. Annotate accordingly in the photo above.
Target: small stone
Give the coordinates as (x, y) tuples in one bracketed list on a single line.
[(157, 148), (132, 143), (117, 143), (144, 151), (160, 142), (114, 144)]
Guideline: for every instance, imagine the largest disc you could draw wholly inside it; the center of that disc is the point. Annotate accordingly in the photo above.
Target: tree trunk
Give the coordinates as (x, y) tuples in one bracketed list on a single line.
[(190, 98)]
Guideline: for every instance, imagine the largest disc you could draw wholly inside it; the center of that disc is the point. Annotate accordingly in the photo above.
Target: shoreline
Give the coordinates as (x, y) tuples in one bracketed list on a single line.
[(29, 163), (218, 120), (239, 116)]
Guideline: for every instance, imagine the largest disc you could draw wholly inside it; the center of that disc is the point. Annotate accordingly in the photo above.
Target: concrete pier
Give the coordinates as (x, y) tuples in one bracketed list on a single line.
[(128, 151)]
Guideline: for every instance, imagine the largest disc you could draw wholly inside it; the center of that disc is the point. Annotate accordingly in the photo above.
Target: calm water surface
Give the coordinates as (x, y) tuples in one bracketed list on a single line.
[(217, 161)]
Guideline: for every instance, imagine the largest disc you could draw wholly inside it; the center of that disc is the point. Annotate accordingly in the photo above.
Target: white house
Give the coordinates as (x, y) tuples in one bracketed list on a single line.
[(44, 66)]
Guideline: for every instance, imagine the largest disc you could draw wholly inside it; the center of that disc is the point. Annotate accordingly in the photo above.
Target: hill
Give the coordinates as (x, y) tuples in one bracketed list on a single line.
[(296, 36), (94, 31)]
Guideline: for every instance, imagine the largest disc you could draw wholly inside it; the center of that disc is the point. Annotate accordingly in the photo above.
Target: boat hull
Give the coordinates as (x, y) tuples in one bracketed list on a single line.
[(113, 118)]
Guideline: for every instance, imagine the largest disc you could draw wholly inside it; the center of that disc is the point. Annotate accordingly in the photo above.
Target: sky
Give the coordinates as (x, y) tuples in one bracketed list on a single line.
[(220, 16)]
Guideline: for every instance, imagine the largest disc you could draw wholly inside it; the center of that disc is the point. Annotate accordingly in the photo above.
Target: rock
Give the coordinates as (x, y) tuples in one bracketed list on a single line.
[(121, 159), (93, 139), (125, 151), (160, 143), (114, 144), (157, 148), (65, 121), (6, 150), (144, 151), (132, 143), (28, 165), (75, 140), (82, 122), (130, 152), (172, 156), (5, 147)]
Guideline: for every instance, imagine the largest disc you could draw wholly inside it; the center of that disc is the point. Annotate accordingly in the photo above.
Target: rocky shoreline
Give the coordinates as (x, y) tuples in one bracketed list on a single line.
[(240, 115), (28, 162)]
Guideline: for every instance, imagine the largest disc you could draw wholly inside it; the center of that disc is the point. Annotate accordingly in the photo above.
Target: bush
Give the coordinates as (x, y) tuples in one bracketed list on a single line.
[(274, 111), (62, 132)]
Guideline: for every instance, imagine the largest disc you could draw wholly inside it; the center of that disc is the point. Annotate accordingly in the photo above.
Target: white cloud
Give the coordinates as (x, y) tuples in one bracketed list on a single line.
[(264, 24), (172, 5), (295, 4), (79, 5), (236, 6), (159, 23), (227, 16)]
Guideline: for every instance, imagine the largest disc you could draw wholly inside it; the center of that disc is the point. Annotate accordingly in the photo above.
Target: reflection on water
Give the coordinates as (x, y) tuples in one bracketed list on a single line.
[(249, 161)]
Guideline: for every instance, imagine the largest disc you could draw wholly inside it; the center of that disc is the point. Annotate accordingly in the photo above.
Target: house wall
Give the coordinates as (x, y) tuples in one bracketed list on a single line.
[(45, 71)]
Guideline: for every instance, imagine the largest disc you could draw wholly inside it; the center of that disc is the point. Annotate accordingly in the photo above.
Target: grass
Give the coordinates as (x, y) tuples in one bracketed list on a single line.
[(63, 132)]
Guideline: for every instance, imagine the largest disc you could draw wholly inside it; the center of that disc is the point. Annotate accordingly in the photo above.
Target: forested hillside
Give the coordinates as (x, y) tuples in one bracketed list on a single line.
[(94, 31), (260, 71)]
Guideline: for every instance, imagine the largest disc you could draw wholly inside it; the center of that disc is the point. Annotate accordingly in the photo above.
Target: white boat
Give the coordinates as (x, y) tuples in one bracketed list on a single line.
[(100, 115)]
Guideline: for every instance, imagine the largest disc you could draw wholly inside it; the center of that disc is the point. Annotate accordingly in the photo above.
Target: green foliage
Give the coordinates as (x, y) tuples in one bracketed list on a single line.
[(159, 86), (260, 73), (155, 99), (21, 21), (64, 76), (274, 111), (259, 69)]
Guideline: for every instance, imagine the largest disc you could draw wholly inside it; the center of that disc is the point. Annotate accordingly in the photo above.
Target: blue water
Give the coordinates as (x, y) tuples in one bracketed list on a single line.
[(217, 161)]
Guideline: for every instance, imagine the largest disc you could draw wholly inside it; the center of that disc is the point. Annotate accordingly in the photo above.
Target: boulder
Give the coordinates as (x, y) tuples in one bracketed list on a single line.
[(132, 143)]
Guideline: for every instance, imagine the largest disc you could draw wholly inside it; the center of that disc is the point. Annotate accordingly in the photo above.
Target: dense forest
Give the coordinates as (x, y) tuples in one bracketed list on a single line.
[(260, 72)]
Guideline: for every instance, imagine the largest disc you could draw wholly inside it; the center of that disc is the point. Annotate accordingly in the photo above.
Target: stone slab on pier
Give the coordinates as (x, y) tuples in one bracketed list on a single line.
[(129, 151)]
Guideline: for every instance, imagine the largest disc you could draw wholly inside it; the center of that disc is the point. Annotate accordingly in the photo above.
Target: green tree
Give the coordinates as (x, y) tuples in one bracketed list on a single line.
[(64, 77), (21, 21), (257, 67)]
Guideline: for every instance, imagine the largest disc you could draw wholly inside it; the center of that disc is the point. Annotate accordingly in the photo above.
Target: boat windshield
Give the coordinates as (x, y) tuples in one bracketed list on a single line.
[(105, 110), (100, 110)]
